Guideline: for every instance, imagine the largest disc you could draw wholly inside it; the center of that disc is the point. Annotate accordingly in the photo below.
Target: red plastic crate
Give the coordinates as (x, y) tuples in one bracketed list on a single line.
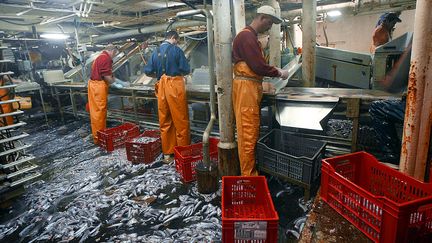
[(383, 203), (112, 138), (248, 213), (138, 152), (186, 158)]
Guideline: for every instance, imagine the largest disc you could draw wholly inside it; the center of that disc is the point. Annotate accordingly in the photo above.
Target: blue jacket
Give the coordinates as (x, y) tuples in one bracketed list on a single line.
[(175, 61)]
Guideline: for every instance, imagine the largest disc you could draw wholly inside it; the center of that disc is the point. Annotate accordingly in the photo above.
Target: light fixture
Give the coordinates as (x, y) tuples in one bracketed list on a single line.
[(334, 13), (53, 36)]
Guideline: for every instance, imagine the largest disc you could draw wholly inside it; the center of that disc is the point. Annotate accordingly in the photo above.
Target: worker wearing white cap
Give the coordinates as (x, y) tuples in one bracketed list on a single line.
[(249, 69)]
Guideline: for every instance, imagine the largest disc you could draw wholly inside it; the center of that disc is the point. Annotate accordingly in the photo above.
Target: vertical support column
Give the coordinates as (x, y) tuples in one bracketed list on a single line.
[(135, 107), (353, 112), (309, 42), (58, 101), (43, 105), (228, 157), (418, 112), (83, 66), (239, 15), (72, 98), (275, 38), (291, 37)]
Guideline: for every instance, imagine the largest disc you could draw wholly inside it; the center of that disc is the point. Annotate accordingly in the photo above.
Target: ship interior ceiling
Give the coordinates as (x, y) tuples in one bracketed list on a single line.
[(331, 134)]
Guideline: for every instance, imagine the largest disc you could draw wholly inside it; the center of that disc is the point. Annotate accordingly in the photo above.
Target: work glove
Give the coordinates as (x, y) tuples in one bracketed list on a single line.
[(283, 73), (117, 85), (123, 83)]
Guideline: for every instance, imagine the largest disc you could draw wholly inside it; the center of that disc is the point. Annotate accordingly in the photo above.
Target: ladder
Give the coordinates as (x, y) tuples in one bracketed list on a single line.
[(16, 167)]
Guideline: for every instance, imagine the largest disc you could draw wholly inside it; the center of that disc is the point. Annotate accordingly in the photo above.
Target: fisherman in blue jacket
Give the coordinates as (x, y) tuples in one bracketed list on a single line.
[(169, 64)]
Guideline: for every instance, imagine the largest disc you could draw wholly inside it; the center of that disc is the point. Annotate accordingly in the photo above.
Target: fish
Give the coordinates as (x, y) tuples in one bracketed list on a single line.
[(299, 221), (293, 232), (91, 192), (288, 191)]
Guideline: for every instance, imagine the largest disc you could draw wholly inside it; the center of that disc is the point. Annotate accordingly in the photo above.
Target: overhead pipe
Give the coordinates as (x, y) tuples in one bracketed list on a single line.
[(55, 20), (86, 14), (81, 13), (418, 111), (32, 6), (145, 30), (188, 3), (80, 8), (68, 28), (308, 42), (24, 12), (51, 9), (210, 46)]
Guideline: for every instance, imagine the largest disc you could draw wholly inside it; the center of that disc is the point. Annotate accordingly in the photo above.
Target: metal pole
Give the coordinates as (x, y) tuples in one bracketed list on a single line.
[(43, 104), (72, 99), (228, 158), (418, 122), (210, 46), (275, 38), (239, 15), (309, 42)]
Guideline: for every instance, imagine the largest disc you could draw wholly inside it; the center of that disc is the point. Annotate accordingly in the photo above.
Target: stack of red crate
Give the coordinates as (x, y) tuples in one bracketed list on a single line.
[(112, 138), (385, 204), (144, 152), (186, 158), (248, 213)]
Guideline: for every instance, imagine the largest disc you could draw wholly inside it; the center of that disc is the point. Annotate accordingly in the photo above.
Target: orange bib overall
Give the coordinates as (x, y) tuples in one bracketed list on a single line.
[(173, 112), (97, 100), (247, 94)]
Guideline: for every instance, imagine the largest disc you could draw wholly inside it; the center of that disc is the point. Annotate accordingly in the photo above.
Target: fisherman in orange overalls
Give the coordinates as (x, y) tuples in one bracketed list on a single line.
[(100, 78), (249, 69), (169, 64)]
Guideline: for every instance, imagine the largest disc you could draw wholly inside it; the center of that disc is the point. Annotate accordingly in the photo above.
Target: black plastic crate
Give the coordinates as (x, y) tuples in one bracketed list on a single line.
[(293, 158)]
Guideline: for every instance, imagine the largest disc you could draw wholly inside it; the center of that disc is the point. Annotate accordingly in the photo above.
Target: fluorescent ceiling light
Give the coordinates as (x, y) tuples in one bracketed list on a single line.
[(55, 36), (334, 13)]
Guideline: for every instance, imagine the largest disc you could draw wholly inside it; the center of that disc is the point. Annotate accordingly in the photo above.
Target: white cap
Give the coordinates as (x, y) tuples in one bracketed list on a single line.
[(270, 11)]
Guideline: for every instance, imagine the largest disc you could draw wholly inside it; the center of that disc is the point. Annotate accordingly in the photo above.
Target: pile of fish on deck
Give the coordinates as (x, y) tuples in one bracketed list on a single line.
[(88, 195)]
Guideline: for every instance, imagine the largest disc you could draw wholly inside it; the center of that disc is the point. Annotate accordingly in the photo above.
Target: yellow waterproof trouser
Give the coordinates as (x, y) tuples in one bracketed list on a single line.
[(247, 94), (173, 112), (97, 100), (6, 108)]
